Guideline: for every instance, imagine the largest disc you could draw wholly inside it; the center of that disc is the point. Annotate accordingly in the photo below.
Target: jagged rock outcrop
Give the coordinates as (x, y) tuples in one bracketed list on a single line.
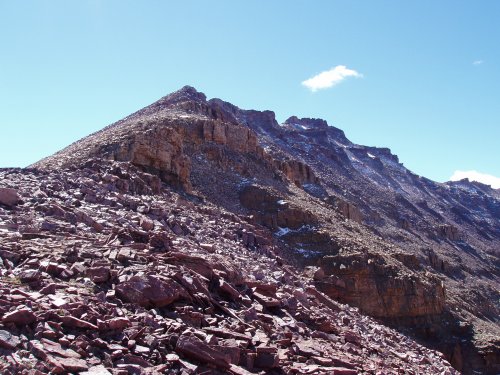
[(380, 289), (297, 172), (350, 211), (449, 231), (157, 150), (271, 211)]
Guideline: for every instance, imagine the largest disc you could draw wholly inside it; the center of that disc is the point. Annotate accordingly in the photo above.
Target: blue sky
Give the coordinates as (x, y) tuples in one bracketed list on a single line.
[(69, 68)]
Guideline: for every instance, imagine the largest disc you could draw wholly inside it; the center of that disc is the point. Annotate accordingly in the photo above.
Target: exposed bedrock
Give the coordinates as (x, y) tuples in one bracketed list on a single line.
[(380, 289), (272, 211)]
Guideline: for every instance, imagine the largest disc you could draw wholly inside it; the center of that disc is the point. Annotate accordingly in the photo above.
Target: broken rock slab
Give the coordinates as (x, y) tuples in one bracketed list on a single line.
[(149, 291), (9, 197), (8, 340), (192, 347), (21, 316)]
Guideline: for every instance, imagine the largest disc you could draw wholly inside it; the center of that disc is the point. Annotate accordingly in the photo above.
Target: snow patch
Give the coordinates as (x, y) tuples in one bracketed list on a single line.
[(282, 231), (307, 253)]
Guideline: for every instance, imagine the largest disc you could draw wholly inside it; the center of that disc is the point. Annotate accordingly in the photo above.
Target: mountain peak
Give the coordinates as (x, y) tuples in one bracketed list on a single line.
[(186, 93)]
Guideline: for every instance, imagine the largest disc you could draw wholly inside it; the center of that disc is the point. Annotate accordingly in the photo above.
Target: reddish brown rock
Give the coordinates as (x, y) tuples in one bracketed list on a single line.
[(244, 298), (378, 289), (149, 291), (8, 340), (98, 274), (96, 370), (266, 358), (350, 211), (9, 197), (449, 231), (20, 316), (194, 348), (117, 323), (71, 321)]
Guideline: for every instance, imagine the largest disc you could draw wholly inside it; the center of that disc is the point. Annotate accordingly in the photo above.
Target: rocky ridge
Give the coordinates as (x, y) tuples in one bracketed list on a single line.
[(421, 256)]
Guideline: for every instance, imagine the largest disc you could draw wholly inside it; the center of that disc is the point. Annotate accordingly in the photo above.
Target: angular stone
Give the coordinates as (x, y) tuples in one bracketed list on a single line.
[(98, 274), (125, 255), (55, 348), (192, 347), (229, 290), (9, 197), (149, 291), (237, 370), (266, 301), (29, 276), (227, 334), (160, 241), (343, 371), (208, 247), (267, 357), (118, 323), (21, 316), (73, 364), (8, 340), (146, 223), (352, 337), (71, 321)]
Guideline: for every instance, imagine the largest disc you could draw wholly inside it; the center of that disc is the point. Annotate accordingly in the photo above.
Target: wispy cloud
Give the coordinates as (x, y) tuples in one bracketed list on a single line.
[(484, 178), (330, 78), (477, 62)]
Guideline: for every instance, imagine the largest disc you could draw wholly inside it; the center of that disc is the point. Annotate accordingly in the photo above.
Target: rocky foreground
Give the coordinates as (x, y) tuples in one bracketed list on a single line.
[(104, 269)]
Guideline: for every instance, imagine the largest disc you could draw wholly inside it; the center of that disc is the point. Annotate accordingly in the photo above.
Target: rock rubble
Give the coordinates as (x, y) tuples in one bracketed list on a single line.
[(104, 272)]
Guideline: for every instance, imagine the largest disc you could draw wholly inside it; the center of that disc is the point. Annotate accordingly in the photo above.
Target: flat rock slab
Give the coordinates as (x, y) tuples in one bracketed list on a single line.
[(8, 340), (149, 291), (193, 348), (96, 370), (21, 317)]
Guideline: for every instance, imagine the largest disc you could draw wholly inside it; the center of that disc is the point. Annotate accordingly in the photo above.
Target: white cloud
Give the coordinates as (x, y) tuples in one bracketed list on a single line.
[(484, 178), (330, 78), (477, 62)]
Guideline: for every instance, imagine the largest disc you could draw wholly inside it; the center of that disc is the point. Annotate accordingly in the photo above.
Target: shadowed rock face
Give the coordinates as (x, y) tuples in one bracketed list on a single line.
[(410, 251), (380, 289)]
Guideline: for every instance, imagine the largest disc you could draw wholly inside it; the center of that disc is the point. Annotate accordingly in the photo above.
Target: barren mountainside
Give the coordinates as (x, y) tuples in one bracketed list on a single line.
[(197, 237)]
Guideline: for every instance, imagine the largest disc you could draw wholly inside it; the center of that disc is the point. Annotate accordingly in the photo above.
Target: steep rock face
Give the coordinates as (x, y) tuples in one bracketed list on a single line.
[(317, 129), (449, 231), (380, 289), (307, 123), (272, 211), (296, 172), (350, 211), (258, 121), (157, 149)]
